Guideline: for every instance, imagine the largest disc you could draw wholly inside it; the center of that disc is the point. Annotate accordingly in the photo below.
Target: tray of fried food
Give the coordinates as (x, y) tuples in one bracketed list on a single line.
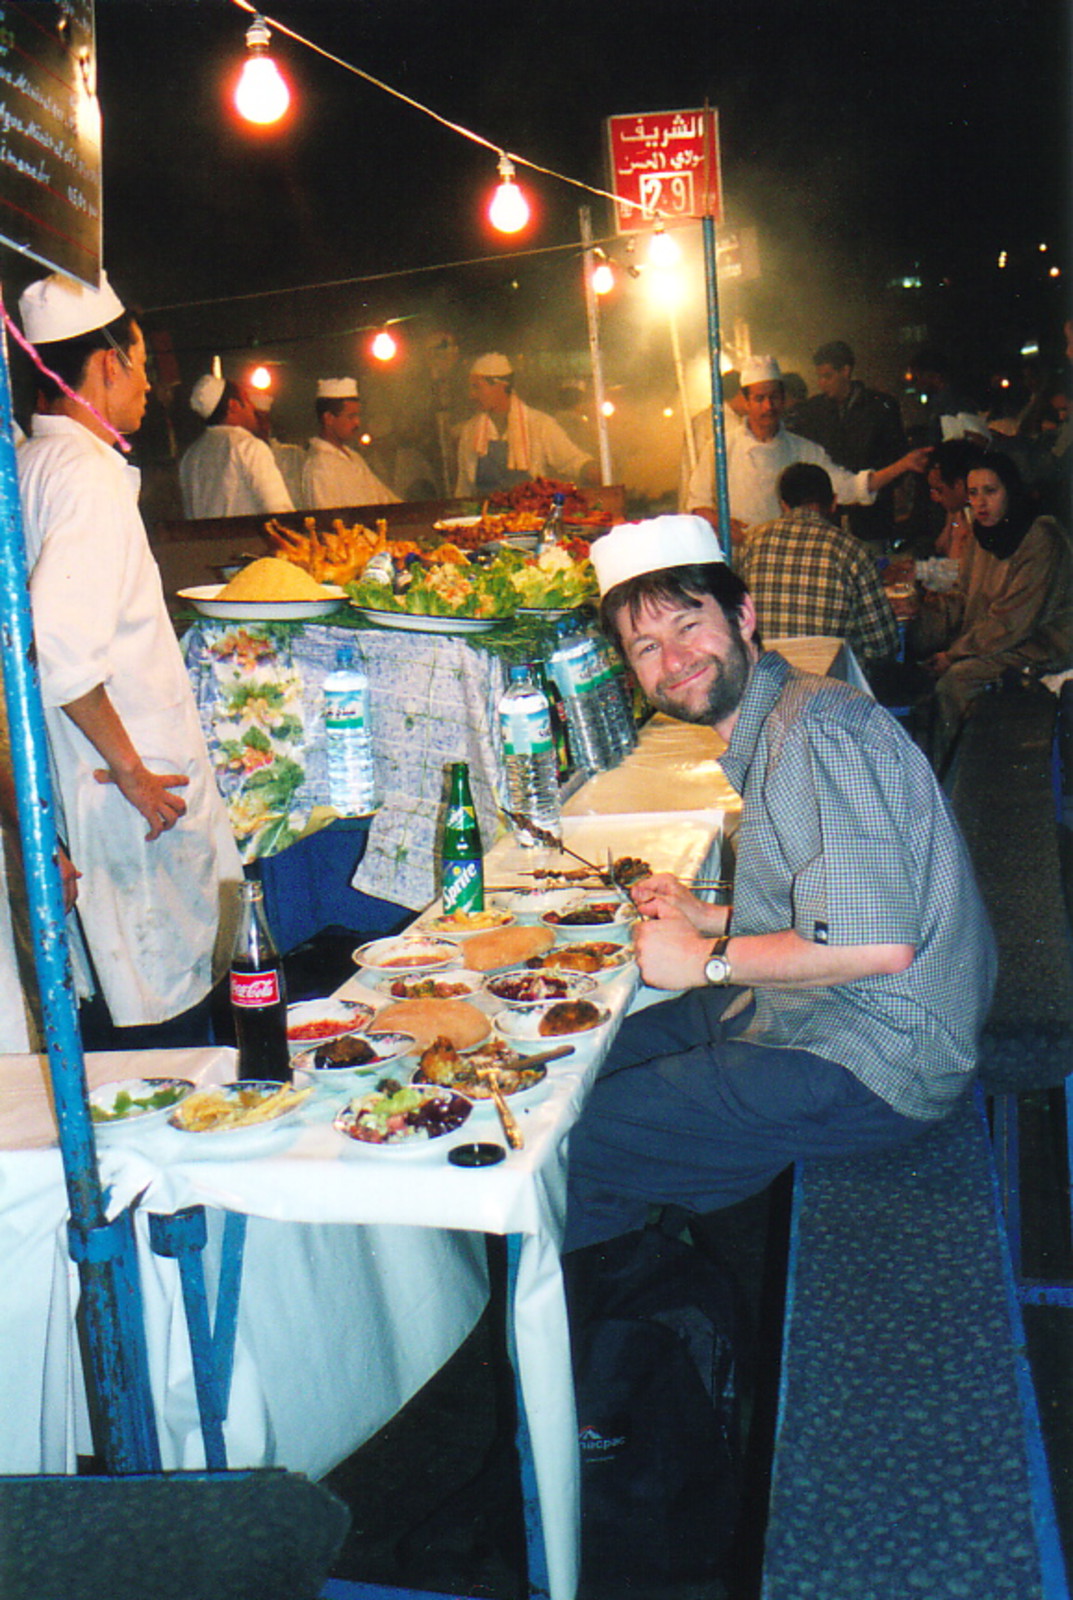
[(336, 555)]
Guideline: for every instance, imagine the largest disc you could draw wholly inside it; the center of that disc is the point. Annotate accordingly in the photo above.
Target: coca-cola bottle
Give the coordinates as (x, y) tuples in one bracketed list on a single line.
[(258, 994), (462, 859)]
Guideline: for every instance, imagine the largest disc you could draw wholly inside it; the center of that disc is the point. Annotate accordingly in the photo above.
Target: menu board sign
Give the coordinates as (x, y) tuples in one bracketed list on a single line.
[(50, 135), (664, 168)]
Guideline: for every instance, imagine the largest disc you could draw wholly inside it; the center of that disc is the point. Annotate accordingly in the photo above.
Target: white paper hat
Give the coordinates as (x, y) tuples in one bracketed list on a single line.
[(491, 365), (60, 308), (337, 389), (760, 369), (207, 393), (636, 547)]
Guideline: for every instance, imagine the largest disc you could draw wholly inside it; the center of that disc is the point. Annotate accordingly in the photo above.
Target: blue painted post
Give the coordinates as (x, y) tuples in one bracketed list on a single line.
[(711, 283), (107, 1269)]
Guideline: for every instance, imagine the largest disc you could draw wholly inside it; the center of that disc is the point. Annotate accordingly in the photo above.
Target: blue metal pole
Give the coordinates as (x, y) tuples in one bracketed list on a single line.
[(711, 284), (107, 1270)]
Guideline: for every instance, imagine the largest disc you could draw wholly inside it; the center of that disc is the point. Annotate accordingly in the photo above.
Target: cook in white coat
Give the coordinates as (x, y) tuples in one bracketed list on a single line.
[(139, 806), (229, 471), (335, 475)]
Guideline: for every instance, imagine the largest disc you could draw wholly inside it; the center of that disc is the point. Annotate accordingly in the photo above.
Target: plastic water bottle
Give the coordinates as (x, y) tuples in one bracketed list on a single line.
[(615, 702), (552, 531), (529, 754), (573, 666), (351, 780)]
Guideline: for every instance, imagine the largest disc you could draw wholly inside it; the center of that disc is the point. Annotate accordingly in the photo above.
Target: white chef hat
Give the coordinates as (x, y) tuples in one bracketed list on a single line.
[(337, 389), (636, 547), (491, 365), (760, 369), (207, 393), (58, 307)]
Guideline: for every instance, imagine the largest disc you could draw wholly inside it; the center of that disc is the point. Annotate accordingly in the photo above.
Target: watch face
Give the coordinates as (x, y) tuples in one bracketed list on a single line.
[(717, 969)]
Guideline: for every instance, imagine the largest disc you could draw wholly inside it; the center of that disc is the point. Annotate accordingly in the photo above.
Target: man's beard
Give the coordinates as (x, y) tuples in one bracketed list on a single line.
[(724, 693)]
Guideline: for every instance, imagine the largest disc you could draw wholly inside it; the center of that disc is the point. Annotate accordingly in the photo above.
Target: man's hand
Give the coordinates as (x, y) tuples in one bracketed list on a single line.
[(671, 953), (150, 793), (661, 895), (937, 664), (69, 876)]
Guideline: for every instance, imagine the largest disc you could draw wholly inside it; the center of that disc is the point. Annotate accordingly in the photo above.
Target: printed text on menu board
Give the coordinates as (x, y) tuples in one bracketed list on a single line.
[(667, 164), (50, 135)]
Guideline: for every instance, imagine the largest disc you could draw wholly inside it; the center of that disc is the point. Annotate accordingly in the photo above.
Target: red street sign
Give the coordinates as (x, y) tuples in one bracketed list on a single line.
[(664, 168)]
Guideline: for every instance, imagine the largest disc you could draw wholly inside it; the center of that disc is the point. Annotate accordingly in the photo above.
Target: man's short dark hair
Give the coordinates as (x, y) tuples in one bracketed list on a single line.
[(675, 586), (68, 358), (835, 353), (803, 483), (231, 392), (333, 408), (955, 458)]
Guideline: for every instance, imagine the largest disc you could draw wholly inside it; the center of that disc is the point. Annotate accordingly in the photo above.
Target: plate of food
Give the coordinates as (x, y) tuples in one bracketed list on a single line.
[(414, 622), (267, 590), (431, 986), (133, 1104), (464, 924), (564, 1019), (402, 1119), (522, 1084), (309, 1022), (601, 957), (463, 1024), (585, 915), (246, 1109), (505, 947), (521, 987), (408, 953), (354, 1055)]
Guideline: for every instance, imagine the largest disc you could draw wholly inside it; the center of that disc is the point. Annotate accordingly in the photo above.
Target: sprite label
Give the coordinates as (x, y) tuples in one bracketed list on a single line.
[(463, 885)]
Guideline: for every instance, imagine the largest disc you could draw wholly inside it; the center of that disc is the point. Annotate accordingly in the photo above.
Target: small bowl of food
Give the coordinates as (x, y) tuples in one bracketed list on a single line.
[(429, 985), (609, 916), (462, 924), (354, 1055), (134, 1104), (310, 1022), (521, 987), (565, 1019), (408, 953)]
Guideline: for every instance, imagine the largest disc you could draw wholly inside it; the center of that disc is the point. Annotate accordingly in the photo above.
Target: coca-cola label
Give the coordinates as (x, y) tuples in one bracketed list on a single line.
[(255, 989)]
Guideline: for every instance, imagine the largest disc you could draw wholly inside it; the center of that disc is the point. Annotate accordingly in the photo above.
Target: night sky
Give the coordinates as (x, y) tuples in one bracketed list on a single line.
[(862, 141)]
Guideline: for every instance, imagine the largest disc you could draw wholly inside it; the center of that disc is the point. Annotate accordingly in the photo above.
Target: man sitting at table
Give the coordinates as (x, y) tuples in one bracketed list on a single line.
[(807, 575), (507, 443), (334, 474), (836, 1006)]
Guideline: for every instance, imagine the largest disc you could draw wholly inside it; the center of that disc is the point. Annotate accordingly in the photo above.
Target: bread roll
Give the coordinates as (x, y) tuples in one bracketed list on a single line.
[(455, 1020), (505, 947)]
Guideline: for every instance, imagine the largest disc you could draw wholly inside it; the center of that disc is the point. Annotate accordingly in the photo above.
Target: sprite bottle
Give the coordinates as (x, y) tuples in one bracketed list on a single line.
[(461, 859)]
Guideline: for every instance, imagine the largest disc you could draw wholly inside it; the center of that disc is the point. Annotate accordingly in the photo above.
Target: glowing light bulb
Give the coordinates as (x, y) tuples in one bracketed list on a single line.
[(261, 95), (509, 209), (662, 249), (260, 378), (383, 347), (603, 278), (608, 408)]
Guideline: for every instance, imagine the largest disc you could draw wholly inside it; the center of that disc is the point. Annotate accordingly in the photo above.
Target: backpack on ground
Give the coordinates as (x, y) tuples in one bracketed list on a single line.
[(653, 1326)]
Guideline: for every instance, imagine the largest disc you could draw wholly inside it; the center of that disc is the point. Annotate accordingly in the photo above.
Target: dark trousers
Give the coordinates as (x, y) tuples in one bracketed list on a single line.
[(685, 1113)]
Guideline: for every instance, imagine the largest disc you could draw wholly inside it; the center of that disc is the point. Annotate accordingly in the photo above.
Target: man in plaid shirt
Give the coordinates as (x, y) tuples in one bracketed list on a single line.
[(807, 576)]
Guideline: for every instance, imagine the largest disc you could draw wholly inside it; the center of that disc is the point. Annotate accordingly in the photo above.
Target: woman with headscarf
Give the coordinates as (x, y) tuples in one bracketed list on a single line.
[(1014, 607)]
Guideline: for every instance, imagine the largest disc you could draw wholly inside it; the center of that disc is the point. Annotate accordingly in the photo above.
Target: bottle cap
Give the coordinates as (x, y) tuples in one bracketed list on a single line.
[(518, 670), (344, 655)]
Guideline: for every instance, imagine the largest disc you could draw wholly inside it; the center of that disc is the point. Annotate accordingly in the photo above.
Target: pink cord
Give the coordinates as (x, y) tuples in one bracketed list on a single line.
[(24, 344)]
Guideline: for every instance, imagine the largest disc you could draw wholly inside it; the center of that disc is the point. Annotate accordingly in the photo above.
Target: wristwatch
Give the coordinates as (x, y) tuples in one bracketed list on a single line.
[(717, 967)]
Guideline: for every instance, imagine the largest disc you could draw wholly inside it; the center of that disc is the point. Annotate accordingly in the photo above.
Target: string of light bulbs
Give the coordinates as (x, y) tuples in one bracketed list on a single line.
[(509, 210)]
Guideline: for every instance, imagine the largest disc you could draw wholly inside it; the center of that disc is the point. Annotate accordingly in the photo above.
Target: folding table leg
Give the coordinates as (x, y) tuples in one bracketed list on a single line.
[(537, 1562), (182, 1236)]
